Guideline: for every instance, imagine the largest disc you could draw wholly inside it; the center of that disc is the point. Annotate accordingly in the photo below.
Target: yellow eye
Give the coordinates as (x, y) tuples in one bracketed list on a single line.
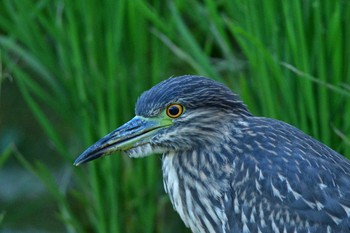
[(174, 110)]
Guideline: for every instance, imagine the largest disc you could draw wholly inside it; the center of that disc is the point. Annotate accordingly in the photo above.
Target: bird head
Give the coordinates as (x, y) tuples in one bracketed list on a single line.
[(180, 113)]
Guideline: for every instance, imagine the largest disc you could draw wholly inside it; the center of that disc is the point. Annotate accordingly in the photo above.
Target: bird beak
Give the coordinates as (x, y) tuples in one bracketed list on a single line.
[(134, 133)]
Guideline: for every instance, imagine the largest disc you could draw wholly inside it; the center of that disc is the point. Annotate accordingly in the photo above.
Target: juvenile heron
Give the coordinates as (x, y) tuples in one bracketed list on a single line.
[(226, 170)]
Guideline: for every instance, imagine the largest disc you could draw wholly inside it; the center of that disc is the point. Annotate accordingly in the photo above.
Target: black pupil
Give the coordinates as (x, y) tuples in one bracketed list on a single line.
[(174, 110)]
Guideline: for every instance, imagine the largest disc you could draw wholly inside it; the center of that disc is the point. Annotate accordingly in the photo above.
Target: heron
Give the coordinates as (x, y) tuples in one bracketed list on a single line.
[(226, 170)]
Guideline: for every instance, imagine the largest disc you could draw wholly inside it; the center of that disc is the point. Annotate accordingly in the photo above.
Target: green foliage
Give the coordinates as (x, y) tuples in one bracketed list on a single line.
[(5, 154), (2, 215), (80, 66)]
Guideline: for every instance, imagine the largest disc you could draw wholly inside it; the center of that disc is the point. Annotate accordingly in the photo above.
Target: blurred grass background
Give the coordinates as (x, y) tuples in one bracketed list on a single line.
[(71, 71)]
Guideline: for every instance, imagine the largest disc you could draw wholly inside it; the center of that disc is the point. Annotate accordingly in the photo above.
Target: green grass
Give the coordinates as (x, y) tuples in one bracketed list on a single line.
[(80, 66)]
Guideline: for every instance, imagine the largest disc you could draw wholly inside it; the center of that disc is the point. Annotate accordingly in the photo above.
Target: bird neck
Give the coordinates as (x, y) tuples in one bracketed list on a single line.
[(199, 179), (190, 179)]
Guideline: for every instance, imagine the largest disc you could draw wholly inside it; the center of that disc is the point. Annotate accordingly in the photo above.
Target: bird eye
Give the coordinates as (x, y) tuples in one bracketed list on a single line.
[(174, 110)]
